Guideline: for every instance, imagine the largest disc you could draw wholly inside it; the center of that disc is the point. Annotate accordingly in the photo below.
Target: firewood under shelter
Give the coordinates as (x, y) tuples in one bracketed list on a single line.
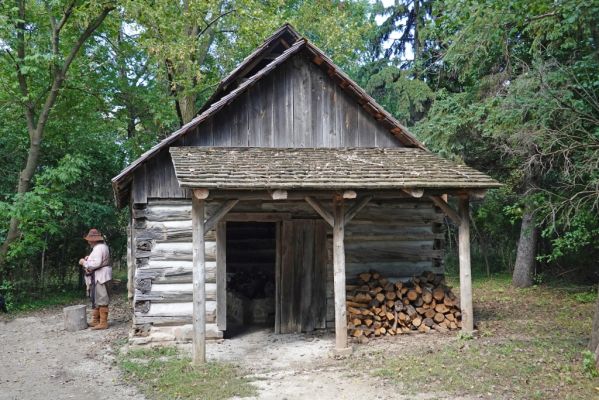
[(320, 176)]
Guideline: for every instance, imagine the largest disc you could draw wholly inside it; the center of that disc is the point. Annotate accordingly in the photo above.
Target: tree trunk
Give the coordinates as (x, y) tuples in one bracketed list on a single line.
[(187, 104), (36, 129), (594, 344), (527, 250)]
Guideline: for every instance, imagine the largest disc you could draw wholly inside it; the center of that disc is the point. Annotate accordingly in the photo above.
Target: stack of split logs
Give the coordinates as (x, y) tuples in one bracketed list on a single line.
[(378, 307)]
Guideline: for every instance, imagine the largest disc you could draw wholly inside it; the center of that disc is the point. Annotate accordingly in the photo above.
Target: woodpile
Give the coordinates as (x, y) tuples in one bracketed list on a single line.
[(377, 307)]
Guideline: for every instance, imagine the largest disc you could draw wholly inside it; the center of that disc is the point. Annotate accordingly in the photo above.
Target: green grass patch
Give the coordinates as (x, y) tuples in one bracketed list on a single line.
[(162, 373), (585, 297), (530, 345), (46, 300)]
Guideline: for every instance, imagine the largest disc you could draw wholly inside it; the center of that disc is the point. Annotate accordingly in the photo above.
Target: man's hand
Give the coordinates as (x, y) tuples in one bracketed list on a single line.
[(82, 261)]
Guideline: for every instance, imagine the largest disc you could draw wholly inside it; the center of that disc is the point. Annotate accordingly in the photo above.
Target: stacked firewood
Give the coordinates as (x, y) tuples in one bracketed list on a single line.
[(378, 307)]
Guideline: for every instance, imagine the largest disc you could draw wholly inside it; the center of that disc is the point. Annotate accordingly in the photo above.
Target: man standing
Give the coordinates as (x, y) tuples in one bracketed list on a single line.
[(98, 274)]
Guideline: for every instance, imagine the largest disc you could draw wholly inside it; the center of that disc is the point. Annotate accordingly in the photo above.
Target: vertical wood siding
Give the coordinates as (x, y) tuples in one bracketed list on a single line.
[(297, 105)]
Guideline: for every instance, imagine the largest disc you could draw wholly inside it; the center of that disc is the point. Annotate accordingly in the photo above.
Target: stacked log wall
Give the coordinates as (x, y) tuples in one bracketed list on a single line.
[(399, 238), (163, 272)]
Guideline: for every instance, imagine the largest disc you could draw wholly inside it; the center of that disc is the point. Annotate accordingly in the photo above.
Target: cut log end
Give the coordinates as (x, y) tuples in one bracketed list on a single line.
[(378, 307)]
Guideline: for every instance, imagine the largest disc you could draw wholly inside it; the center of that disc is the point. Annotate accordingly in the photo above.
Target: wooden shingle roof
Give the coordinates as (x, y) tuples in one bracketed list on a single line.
[(253, 168)]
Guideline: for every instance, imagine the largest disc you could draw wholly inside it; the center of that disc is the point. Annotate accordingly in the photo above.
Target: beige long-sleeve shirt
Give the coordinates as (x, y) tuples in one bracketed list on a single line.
[(99, 262)]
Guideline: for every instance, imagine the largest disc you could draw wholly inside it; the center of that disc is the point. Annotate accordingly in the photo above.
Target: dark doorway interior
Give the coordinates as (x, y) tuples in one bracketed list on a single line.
[(251, 263)]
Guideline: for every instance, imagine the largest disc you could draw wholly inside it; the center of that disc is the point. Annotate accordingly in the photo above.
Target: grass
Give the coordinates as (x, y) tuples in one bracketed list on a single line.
[(162, 373), (530, 344), (47, 300), (28, 299)]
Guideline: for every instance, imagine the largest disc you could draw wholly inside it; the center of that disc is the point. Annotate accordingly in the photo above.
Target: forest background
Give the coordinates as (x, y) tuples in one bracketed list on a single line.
[(508, 87)]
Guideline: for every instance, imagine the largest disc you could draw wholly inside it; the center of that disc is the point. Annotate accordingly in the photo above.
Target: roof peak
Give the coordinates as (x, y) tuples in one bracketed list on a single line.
[(272, 47), (231, 87)]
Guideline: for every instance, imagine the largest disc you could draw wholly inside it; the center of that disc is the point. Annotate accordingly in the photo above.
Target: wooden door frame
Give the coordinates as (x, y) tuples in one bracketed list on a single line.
[(221, 260)]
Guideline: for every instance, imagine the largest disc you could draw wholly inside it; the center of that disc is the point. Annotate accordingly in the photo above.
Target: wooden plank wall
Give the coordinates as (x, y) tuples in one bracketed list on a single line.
[(297, 105), (399, 238)]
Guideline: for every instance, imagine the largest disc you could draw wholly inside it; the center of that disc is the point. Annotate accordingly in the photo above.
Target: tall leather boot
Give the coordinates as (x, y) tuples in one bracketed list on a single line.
[(95, 317), (103, 319)]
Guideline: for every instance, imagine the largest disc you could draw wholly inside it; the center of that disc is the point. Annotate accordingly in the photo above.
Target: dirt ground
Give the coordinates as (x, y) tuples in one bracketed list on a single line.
[(302, 366), (40, 360), (517, 353)]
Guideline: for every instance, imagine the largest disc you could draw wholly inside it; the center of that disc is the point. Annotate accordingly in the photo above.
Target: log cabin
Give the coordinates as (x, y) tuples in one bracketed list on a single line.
[(290, 181)]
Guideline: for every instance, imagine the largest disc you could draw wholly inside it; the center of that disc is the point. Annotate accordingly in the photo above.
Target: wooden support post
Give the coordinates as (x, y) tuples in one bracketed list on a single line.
[(341, 346), (465, 274), (199, 284)]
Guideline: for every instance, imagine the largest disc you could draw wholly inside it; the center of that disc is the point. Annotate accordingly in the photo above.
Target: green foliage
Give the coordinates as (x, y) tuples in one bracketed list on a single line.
[(586, 297), (588, 364), (517, 98), (56, 297), (401, 95), (7, 290)]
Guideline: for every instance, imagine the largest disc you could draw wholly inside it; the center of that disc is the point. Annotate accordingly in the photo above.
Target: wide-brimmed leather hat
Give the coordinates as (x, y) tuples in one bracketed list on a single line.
[(94, 235)]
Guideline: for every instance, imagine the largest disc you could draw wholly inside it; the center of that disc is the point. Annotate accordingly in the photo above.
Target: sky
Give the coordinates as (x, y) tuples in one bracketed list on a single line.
[(409, 54)]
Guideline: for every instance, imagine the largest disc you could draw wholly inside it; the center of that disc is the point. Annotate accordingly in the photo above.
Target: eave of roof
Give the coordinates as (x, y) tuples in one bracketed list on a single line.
[(260, 168)]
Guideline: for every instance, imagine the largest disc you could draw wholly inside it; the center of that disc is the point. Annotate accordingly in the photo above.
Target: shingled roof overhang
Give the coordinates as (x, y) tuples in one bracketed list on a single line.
[(121, 183), (254, 168)]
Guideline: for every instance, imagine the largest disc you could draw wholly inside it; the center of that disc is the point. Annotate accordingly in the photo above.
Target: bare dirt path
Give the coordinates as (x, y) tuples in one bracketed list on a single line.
[(302, 366), (40, 360)]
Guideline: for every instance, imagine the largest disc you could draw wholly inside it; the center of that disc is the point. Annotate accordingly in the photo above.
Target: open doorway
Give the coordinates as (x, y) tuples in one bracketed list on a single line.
[(251, 269)]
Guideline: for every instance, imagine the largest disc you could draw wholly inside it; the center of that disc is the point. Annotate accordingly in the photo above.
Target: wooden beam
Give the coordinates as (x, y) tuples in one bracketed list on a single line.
[(201, 194), (416, 193), (199, 282), (219, 214), (465, 270), (323, 212), (257, 216), (341, 346), (278, 195), (350, 194), (356, 208), (450, 212)]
